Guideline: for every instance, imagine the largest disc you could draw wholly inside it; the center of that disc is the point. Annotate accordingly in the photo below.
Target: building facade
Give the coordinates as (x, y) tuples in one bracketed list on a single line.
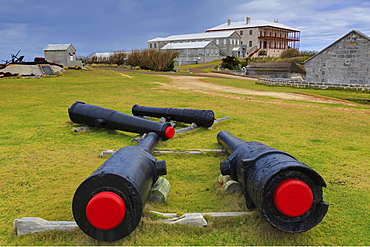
[(64, 54), (241, 39), (226, 40), (346, 61), (194, 52), (261, 38)]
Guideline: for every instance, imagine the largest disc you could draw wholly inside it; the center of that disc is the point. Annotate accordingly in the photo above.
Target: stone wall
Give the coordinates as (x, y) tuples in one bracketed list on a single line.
[(322, 85), (345, 62)]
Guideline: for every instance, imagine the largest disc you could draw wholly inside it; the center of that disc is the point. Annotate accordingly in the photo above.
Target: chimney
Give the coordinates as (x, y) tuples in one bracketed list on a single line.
[(276, 21), (247, 20), (228, 22)]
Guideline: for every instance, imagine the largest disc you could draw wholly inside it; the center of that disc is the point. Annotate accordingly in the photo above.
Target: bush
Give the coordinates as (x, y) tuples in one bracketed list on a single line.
[(152, 59), (290, 53), (117, 57), (230, 63)]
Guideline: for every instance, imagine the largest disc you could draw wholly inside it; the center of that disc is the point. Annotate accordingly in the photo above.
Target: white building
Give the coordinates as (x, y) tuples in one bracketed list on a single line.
[(261, 38), (64, 54), (227, 42), (194, 52), (257, 38)]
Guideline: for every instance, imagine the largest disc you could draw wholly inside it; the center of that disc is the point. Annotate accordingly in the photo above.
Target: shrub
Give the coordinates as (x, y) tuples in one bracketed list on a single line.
[(117, 57), (290, 53), (230, 63), (152, 59)]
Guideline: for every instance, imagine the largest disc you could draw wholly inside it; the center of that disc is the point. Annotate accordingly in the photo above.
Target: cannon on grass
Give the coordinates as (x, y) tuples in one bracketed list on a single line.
[(97, 116), (108, 205), (203, 118), (287, 192)]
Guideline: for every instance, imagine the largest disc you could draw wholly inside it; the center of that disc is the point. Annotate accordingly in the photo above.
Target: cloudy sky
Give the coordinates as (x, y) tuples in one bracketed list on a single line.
[(111, 25)]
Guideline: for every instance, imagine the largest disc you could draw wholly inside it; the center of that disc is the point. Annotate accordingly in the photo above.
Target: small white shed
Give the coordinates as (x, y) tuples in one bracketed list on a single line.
[(61, 54)]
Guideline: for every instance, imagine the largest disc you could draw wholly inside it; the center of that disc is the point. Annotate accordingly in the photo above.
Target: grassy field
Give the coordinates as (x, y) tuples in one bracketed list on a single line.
[(43, 161)]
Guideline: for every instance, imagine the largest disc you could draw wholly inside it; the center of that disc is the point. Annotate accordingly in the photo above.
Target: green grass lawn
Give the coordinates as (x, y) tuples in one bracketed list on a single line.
[(43, 161)]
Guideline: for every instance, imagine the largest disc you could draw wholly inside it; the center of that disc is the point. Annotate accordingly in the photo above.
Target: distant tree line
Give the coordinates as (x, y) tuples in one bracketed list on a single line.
[(162, 60)]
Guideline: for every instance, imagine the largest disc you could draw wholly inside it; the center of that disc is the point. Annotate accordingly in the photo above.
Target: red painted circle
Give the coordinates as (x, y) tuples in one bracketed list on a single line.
[(293, 197), (105, 210), (169, 132)]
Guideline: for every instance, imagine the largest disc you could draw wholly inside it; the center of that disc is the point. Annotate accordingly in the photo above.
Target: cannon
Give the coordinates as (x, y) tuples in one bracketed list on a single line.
[(203, 118), (97, 116), (287, 192), (108, 205)]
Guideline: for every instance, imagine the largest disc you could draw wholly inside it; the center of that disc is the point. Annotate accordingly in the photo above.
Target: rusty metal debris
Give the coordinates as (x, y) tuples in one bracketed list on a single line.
[(15, 59)]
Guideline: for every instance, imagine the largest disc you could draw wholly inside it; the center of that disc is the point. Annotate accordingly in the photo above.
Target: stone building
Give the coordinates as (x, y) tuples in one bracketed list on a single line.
[(346, 61), (64, 54), (260, 37)]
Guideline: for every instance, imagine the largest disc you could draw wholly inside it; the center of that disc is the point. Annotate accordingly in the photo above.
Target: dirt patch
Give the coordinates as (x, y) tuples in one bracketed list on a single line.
[(124, 75), (197, 84)]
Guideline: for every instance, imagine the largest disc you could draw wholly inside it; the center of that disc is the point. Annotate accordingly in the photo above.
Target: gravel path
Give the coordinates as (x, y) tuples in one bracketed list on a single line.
[(195, 83)]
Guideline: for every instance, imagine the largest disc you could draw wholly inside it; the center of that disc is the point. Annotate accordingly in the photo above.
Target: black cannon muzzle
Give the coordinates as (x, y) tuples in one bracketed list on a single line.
[(286, 192), (96, 116), (203, 118), (108, 205)]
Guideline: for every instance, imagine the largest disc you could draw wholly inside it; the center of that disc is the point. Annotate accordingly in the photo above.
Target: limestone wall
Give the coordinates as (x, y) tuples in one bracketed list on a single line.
[(345, 62), (322, 85)]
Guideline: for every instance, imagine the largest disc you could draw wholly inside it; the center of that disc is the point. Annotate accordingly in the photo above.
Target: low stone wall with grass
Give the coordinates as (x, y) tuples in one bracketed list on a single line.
[(301, 83)]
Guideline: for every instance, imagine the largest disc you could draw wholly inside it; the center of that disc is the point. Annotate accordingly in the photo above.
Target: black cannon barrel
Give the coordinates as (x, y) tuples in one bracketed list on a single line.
[(97, 116), (108, 205), (203, 118), (287, 192)]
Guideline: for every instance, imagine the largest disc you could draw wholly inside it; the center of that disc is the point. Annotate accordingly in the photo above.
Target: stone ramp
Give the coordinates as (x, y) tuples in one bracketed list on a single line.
[(31, 69)]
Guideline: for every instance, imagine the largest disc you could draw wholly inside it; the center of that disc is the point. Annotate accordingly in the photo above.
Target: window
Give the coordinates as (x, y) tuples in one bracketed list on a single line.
[(250, 32), (217, 41), (150, 46), (241, 32), (225, 40), (250, 43)]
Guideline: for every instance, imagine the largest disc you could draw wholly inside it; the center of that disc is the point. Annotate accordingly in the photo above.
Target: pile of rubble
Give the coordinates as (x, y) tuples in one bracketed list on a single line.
[(39, 67)]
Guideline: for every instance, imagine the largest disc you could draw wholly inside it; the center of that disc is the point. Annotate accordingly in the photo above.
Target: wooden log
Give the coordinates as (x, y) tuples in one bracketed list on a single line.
[(35, 224), (159, 191), (229, 185)]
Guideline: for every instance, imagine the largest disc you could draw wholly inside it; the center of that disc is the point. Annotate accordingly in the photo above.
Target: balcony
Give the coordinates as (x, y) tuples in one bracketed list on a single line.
[(278, 37)]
